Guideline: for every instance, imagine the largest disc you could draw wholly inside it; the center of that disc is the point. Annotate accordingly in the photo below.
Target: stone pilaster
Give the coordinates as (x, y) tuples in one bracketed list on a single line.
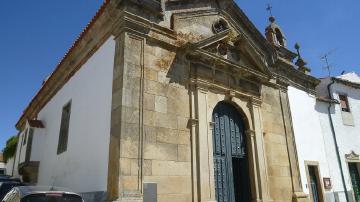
[(259, 150), (125, 178), (253, 170), (298, 194), (205, 167)]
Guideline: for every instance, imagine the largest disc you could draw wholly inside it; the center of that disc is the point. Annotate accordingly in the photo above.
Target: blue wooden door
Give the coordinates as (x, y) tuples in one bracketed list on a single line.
[(355, 180), (230, 155)]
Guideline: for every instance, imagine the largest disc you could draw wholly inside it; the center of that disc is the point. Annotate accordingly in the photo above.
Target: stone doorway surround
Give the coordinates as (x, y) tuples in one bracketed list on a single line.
[(203, 103), (319, 178), (352, 157)]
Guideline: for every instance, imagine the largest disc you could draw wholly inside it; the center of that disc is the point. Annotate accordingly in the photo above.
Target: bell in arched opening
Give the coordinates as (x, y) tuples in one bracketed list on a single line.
[(274, 34)]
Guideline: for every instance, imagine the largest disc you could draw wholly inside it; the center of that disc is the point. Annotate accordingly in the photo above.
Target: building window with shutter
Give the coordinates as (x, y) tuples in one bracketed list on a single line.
[(344, 103), (64, 128)]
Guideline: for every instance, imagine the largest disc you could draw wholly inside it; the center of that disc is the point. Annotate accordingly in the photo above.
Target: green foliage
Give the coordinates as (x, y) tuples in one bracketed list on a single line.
[(10, 148)]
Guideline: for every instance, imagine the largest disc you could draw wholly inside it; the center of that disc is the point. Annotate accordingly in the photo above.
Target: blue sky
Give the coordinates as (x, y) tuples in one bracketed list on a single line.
[(34, 36)]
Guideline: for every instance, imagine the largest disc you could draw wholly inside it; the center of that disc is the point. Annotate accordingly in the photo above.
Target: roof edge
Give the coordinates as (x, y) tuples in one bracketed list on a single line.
[(99, 12)]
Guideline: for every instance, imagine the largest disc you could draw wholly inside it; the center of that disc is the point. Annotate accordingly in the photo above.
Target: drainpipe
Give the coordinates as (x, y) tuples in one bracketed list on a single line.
[(335, 140)]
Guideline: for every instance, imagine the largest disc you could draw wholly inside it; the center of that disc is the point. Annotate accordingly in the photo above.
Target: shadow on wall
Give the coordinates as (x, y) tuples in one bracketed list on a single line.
[(322, 107)]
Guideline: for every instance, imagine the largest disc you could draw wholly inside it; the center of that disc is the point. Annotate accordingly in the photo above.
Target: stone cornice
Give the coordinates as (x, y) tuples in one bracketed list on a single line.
[(129, 22), (207, 86), (287, 75), (151, 7), (212, 60)]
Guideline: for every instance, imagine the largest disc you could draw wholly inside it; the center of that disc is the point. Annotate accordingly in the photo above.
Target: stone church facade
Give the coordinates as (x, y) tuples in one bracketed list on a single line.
[(199, 102)]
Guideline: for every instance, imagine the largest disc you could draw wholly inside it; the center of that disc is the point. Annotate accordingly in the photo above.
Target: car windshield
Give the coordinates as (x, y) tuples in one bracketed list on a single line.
[(6, 187), (52, 198)]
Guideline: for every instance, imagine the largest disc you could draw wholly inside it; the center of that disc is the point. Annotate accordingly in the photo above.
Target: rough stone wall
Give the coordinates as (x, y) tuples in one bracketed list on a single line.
[(276, 146)]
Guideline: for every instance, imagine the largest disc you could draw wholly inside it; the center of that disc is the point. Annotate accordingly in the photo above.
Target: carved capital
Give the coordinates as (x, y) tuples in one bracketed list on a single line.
[(211, 125), (193, 122), (250, 133), (200, 85), (256, 101)]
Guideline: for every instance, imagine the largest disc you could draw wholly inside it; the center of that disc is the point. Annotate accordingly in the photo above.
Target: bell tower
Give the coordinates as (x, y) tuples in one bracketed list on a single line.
[(273, 32)]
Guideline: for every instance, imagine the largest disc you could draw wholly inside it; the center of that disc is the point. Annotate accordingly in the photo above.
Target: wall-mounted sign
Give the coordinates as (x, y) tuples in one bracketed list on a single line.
[(327, 183)]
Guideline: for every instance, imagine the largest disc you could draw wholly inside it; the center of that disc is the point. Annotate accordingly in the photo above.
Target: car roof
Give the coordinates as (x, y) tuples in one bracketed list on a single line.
[(29, 190), (10, 182)]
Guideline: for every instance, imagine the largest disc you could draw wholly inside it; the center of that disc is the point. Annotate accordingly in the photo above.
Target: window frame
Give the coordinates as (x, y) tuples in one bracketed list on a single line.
[(64, 128), (25, 136), (345, 100)]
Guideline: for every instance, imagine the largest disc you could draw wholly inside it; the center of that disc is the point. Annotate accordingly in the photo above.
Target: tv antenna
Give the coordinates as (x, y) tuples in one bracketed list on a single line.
[(325, 57)]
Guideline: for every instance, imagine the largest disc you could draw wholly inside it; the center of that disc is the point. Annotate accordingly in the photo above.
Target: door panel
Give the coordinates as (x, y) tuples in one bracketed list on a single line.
[(355, 179), (230, 160), (314, 184)]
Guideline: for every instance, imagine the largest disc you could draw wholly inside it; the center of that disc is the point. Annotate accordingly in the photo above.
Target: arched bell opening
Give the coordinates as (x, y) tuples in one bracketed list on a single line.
[(231, 156), (279, 37)]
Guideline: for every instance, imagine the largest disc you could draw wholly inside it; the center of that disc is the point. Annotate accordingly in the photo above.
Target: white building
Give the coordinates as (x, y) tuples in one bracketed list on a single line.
[(9, 166), (323, 123), (40, 158), (2, 165)]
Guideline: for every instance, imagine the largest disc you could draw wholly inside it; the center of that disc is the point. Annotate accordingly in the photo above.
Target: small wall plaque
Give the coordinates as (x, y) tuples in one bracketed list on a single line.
[(327, 183)]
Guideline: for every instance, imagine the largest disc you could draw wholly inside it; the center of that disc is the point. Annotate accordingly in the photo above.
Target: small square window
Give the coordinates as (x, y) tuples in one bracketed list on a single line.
[(344, 103)]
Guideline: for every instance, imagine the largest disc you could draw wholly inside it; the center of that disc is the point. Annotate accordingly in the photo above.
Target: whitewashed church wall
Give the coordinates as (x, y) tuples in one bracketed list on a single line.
[(84, 166)]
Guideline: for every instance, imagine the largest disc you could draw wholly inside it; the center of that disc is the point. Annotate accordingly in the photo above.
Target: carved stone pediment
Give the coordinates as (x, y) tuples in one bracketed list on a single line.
[(352, 156), (231, 53)]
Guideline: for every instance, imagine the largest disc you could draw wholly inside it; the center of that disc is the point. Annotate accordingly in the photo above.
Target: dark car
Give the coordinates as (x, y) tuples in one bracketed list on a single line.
[(41, 194), (6, 178), (5, 187)]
